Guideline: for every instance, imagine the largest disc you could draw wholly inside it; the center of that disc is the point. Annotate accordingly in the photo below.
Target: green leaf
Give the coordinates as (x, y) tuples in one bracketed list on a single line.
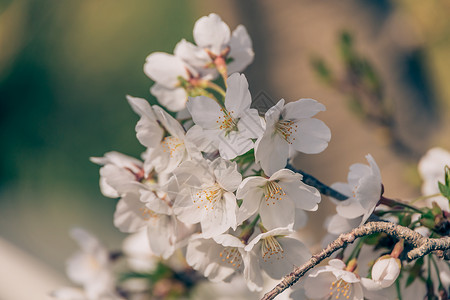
[(445, 190)]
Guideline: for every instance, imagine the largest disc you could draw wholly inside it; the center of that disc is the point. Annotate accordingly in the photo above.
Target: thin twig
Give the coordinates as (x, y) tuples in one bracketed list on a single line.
[(421, 247), (321, 187)]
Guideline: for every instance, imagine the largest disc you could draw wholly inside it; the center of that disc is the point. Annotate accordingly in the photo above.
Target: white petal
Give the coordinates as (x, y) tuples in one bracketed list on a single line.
[(241, 50), (204, 256), (197, 137), (369, 192), (211, 32), (174, 99), (169, 122), (129, 216), (271, 152), (86, 241), (319, 287), (234, 144), (338, 224), (250, 123), (350, 209), (312, 136), (303, 108), (273, 115), (237, 98), (277, 213), (226, 174), (304, 196), (205, 112), (337, 263), (221, 218), (252, 272), (295, 254), (148, 131), (251, 199), (165, 68), (160, 233), (192, 54)]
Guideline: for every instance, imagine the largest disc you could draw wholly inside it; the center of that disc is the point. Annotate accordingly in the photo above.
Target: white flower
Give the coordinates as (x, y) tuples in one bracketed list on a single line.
[(363, 189), (431, 169), (291, 127), (218, 258), (90, 268), (276, 198), (333, 282), (120, 174), (151, 209), (337, 224), (137, 250), (206, 195), (164, 154), (384, 273), (174, 78), (274, 253), (232, 127), (215, 45)]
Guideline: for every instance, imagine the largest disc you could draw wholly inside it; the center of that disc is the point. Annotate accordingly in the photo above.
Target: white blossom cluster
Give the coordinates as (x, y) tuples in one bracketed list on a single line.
[(213, 185)]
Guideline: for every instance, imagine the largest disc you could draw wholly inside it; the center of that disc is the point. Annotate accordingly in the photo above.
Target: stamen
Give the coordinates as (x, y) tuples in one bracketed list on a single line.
[(340, 289), (273, 192), (227, 122), (171, 144), (271, 249), (148, 214), (208, 197), (286, 128), (231, 256)]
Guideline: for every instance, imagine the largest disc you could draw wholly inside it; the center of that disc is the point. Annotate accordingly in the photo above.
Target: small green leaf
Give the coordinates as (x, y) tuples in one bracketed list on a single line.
[(445, 190)]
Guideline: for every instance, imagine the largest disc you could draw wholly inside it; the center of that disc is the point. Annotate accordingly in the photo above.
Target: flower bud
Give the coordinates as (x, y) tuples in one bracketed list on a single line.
[(386, 270)]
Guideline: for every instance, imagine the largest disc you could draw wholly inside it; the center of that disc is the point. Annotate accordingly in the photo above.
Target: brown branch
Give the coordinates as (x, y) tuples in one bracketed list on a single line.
[(421, 244)]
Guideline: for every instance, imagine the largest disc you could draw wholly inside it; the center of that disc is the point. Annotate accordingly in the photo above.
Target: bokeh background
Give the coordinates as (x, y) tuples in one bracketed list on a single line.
[(66, 66)]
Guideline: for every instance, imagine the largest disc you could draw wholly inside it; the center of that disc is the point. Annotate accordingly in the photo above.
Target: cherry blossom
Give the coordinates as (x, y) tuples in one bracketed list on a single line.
[(363, 189), (276, 196), (431, 169), (233, 126), (275, 253), (290, 128), (206, 195), (217, 258), (91, 268), (216, 45), (119, 174), (333, 282), (164, 153), (384, 273)]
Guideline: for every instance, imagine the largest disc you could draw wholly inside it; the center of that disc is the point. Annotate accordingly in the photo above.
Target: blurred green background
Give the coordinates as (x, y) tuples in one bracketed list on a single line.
[(66, 66)]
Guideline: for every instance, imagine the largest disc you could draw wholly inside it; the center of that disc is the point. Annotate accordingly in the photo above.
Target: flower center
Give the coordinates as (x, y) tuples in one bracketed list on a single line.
[(340, 289), (273, 192), (271, 249), (286, 128), (227, 122), (231, 256), (171, 144), (208, 197), (148, 214)]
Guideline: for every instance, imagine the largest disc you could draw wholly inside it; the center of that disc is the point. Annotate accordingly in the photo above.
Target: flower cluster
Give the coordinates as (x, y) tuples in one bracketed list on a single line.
[(214, 196)]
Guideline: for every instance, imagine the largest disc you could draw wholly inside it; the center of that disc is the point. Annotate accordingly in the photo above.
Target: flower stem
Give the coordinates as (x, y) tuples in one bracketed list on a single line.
[(394, 203), (321, 187)]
